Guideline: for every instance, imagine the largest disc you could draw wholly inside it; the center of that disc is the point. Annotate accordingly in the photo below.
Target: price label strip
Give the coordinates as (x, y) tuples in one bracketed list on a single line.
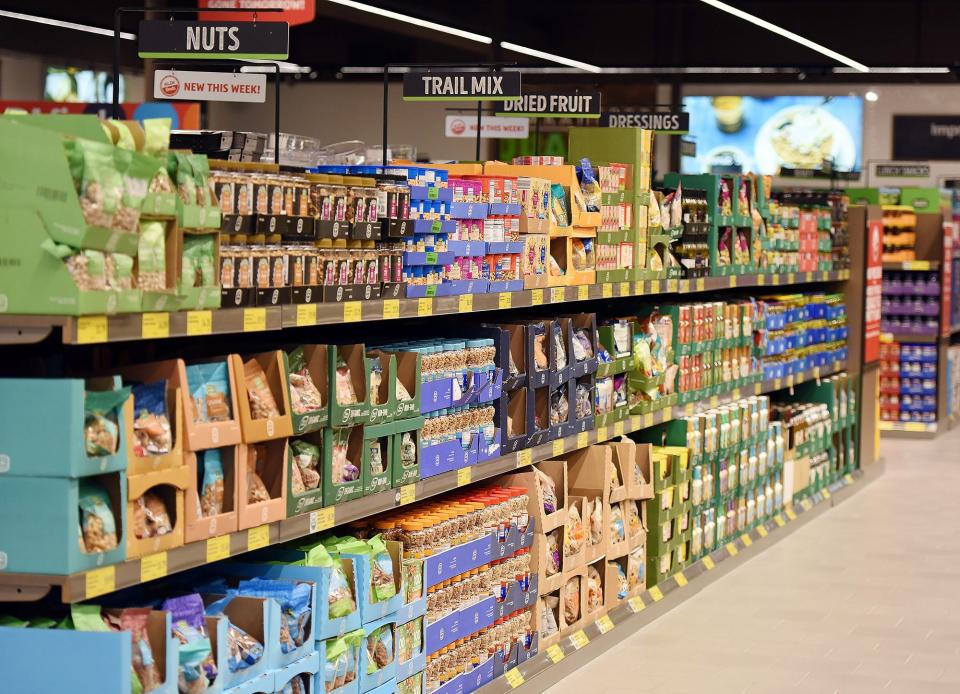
[(218, 548), (604, 624), (322, 519), (153, 566), (555, 653), (579, 639), (100, 581), (524, 457), (656, 594)]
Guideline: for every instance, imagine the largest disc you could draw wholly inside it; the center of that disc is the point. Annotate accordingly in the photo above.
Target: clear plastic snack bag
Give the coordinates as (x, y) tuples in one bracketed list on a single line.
[(559, 346), (571, 600), (548, 616), (343, 469), (262, 403), (346, 395), (151, 518), (596, 521), (98, 529), (256, 490), (382, 570), (594, 589), (575, 535), (553, 554), (304, 395), (294, 600), (622, 586), (101, 429), (243, 649), (151, 425), (210, 470), (376, 457), (307, 457), (549, 491), (379, 648), (617, 533)]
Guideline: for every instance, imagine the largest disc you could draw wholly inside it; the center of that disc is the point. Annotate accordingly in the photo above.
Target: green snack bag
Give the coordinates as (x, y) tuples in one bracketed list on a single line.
[(119, 271), (200, 166), (152, 257), (381, 570), (156, 136), (11, 621), (339, 595), (198, 255), (87, 618), (101, 185), (181, 172)]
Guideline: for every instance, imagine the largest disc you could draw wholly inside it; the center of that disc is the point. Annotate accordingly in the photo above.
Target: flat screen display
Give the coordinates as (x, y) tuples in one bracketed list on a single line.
[(72, 85), (765, 134)]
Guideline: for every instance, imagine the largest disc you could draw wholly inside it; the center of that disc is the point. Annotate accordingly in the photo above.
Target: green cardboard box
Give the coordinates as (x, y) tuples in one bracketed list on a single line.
[(406, 451), (311, 359), (377, 470), (351, 359), (311, 498), (342, 447)]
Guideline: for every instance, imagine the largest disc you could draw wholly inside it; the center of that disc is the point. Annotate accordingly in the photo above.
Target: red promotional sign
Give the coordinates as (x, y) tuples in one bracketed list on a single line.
[(294, 11), (873, 300), (184, 116)]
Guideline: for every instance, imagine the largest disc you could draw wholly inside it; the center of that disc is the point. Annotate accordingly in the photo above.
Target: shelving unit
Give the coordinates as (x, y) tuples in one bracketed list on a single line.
[(136, 326)]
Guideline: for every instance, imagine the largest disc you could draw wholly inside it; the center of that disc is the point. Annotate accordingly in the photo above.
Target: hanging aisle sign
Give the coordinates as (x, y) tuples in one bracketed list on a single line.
[(214, 40), (294, 11), (556, 105), (210, 86), (671, 122), (492, 85)]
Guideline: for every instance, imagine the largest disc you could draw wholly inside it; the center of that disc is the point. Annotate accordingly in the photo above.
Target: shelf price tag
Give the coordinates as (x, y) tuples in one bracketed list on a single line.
[(536, 297), (761, 280), (558, 295), (555, 653), (254, 319), (322, 519), (391, 308), (464, 476), (667, 414), (425, 307), (307, 314), (848, 478), (708, 563), (671, 286), (557, 448), (648, 420), (583, 440), (733, 281), (218, 548), (258, 537), (505, 300), (806, 504), (579, 639), (732, 549), (656, 593), (761, 531), (639, 289), (625, 289), (583, 292), (790, 514), (514, 678), (100, 581), (524, 457), (680, 579), (352, 311), (636, 603), (791, 278), (746, 539), (602, 434), (604, 624), (826, 493), (607, 291), (91, 330), (778, 519), (408, 494), (809, 277), (155, 325), (465, 303), (701, 284), (618, 429), (153, 566), (199, 322)]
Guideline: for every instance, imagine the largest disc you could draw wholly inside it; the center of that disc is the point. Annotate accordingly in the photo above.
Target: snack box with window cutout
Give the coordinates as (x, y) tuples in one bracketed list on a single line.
[(81, 522), (340, 663), (211, 503), (303, 674), (262, 483), (405, 449), (511, 418), (307, 377), (372, 609), (263, 395), (155, 441), (378, 658), (343, 452), (258, 617), (305, 464), (348, 377), (91, 661), (588, 476), (91, 415), (155, 510)]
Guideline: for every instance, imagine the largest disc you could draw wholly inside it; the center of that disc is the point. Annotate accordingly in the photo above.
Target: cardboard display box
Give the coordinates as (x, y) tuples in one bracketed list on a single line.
[(274, 368), (577, 603), (347, 445), (170, 486), (270, 459), (588, 476), (352, 356), (139, 465), (199, 527), (511, 418), (318, 371), (310, 499), (599, 606)]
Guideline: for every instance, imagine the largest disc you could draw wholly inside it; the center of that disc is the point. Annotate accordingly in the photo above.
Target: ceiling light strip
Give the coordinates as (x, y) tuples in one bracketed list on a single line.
[(379, 11), (516, 48), (65, 25), (746, 16), (897, 70)]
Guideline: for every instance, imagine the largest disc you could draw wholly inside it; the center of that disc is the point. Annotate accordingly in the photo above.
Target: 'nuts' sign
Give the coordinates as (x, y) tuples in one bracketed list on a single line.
[(213, 40)]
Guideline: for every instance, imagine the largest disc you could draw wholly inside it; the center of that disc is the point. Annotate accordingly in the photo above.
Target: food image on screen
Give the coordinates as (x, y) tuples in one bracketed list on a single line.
[(767, 134)]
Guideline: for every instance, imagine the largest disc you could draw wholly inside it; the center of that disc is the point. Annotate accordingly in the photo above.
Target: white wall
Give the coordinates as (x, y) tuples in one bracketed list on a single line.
[(899, 99), (335, 112)]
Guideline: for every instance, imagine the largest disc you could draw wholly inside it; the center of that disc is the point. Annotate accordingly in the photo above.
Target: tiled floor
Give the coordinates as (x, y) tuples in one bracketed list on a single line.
[(865, 598)]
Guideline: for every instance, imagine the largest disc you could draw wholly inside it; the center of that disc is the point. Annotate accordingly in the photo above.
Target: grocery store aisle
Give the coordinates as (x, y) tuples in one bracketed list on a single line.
[(862, 599)]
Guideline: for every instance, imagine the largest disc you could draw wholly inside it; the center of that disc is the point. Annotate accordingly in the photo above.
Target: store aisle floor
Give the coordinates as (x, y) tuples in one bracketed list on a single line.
[(865, 598)]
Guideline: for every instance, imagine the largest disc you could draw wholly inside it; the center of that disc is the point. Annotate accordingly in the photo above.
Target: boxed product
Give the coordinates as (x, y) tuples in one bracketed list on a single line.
[(263, 396), (305, 473), (262, 486), (211, 502), (342, 464), (307, 376), (155, 510), (350, 401)]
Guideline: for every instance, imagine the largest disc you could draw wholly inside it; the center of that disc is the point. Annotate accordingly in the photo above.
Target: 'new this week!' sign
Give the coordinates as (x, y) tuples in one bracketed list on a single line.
[(213, 40), (493, 85), (555, 105), (209, 86)]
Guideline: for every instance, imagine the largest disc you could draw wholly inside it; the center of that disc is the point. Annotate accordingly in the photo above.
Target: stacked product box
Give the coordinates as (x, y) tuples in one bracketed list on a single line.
[(615, 359), (653, 375), (714, 346), (899, 233), (911, 302), (80, 476), (819, 422), (735, 473), (589, 552), (800, 332), (552, 370), (669, 514), (908, 382), (624, 158)]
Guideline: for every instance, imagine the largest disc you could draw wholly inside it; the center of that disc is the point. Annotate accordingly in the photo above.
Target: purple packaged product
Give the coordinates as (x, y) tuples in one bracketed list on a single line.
[(189, 628), (397, 267), (372, 270), (393, 199), (372, 209), (359, 271), (385, 267)]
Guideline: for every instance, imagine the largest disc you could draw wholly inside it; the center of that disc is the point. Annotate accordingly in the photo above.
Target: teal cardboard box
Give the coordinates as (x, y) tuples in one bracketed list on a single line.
[(50, 509), (31, 408)]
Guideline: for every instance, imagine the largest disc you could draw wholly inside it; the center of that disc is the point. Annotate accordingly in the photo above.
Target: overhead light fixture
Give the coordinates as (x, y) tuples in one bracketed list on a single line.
[(506, 45), (266, 66), (871, 96), (769, 26), (379, 11), (66, 25), (897, 70)]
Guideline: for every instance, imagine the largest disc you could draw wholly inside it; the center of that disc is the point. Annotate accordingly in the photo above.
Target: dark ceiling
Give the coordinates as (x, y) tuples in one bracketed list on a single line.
[(609, 33)]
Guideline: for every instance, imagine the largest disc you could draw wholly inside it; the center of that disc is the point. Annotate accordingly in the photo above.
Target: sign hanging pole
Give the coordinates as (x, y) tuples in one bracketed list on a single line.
[(479, 126)]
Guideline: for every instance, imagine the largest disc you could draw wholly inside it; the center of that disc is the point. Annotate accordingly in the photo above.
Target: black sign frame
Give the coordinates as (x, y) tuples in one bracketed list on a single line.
[(548, 105), (667, 122), (926, 137), (227, 40)]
